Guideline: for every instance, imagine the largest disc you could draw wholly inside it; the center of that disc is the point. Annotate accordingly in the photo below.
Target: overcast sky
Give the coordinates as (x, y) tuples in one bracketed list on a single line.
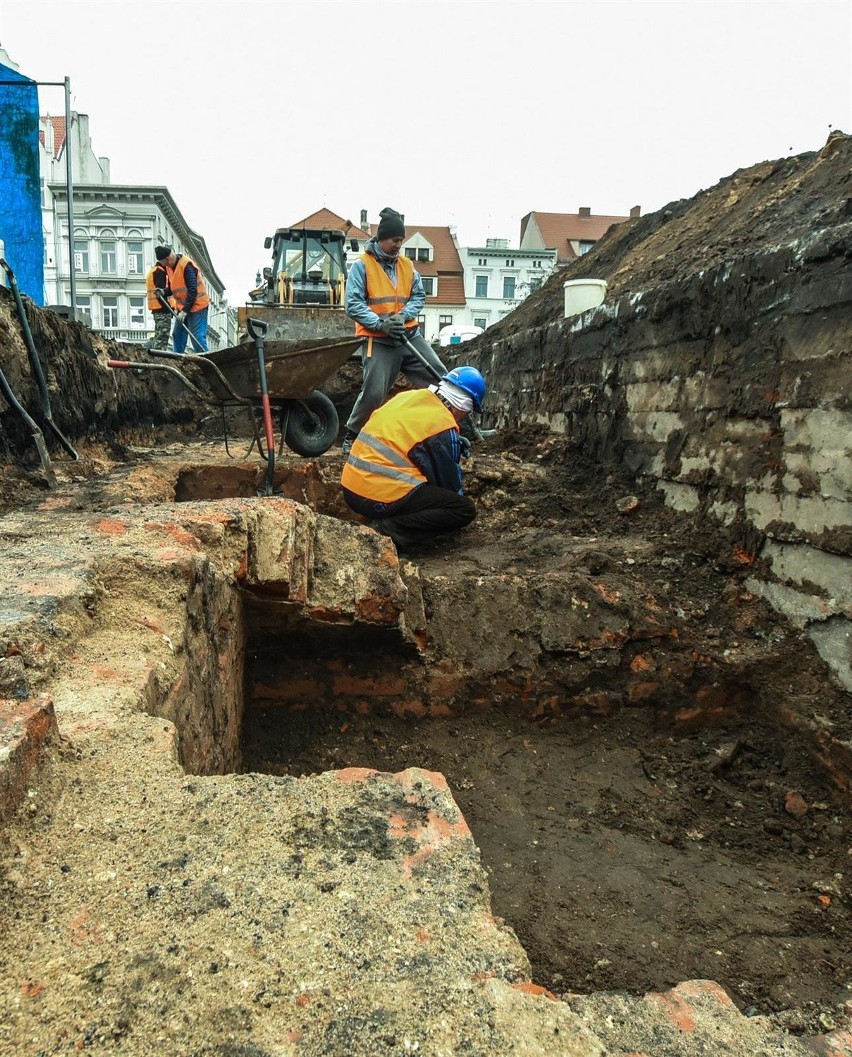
[(467, 113)]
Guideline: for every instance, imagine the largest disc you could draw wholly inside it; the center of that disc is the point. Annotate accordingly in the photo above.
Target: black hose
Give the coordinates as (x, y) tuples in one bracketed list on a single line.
[(36, 362)]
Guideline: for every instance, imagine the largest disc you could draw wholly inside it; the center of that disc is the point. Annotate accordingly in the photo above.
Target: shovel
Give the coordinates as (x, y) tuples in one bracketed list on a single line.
[(257, 329), (477, 432), (161, 297)]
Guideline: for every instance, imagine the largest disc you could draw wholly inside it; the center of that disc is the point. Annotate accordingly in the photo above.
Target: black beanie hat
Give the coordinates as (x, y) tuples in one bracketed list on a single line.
[(161, 252), (390, 225)]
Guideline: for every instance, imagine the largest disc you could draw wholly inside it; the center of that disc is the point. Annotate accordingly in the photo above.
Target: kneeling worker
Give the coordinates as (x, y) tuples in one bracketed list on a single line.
[(403, 471)]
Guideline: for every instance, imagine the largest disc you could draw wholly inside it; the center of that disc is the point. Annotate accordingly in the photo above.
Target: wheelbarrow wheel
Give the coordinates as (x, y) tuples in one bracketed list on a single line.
[(312, 424)]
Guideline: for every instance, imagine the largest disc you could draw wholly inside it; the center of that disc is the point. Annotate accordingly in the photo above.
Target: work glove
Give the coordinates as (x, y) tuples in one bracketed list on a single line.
[(393, 326), (465, 445), (180, 316)]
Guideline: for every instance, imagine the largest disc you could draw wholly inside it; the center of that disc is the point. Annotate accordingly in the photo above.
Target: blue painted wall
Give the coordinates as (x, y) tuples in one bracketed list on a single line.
[(20, 191)]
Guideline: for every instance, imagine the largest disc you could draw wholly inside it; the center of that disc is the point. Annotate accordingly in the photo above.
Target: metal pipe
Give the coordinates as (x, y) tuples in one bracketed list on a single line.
[(69, 180)]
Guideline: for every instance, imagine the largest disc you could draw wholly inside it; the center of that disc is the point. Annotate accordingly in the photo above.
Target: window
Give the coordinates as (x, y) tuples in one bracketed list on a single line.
[(482, 286), (536, 264), (428, 285), (81, 255), (421, 320), (508, 286), (510, 264), (423, 254), (110, 312), (107, 258), (445, 321), (134, 258), (137, 312), (83, 307), (483, 262), (480, 322), (585, 246), (410, 254)]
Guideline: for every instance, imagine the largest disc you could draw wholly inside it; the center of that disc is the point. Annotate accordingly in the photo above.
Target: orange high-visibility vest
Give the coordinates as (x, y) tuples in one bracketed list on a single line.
[(177, 281), (154, 303), (383, 297), (378, 466)]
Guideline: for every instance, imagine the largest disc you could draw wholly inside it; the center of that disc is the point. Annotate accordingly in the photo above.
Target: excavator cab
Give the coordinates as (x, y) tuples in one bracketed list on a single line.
[(308, 268), (302, 293)]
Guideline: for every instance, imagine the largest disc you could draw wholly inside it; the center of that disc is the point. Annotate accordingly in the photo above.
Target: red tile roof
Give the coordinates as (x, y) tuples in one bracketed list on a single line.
[(58, 124), (446, 266), (324, 218), (557, 230)]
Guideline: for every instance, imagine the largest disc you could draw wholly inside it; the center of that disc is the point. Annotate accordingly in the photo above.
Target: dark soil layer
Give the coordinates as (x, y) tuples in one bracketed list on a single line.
[(626, 858)]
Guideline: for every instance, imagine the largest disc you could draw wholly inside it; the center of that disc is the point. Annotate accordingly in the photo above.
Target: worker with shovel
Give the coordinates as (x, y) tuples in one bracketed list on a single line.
[(190, 299), (385, 296), (403, 471)]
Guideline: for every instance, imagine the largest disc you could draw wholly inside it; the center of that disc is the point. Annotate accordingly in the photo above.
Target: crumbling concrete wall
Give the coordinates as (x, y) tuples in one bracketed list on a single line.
[(727, 384)]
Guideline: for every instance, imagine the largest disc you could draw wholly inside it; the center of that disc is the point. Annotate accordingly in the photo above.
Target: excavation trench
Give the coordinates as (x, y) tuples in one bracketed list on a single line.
[(643, 817), (625, 853)]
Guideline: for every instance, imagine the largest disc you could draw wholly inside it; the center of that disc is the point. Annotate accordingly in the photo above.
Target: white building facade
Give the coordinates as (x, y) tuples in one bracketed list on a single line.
[(498, 278), (116, 228)]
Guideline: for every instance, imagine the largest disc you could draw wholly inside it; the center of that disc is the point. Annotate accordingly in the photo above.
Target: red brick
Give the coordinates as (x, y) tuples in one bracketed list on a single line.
[(354, 686), (25, 728)]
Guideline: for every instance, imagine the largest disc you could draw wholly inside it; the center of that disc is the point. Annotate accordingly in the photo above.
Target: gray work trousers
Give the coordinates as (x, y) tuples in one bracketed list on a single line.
[(383, 359)]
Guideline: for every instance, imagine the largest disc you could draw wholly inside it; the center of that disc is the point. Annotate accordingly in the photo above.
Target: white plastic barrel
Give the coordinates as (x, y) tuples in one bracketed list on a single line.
[(583, 294)]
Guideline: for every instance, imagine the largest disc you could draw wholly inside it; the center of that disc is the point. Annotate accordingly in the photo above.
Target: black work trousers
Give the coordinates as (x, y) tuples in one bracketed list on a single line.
[(429, 511)]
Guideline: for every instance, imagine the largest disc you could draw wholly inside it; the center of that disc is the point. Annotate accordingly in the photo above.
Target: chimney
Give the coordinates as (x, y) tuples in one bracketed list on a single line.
[(363, 219), (635, 212), (585, 211)]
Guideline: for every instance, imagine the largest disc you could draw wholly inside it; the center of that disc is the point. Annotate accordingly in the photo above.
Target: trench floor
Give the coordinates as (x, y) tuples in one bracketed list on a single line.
[(624, 857)]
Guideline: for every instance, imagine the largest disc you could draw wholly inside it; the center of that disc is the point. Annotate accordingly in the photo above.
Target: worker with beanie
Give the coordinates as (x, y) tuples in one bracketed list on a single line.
[(190, 299), (403, 471), (385, 296)]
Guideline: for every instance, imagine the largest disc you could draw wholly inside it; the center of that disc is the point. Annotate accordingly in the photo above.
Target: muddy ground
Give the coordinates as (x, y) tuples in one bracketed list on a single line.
[(627, 852)]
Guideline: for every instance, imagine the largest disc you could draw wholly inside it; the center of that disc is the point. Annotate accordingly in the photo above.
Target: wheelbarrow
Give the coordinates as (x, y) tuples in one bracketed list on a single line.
[(278, 377)]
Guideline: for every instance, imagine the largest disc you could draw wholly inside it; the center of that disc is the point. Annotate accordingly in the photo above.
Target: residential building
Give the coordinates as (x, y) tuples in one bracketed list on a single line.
[(569, 234), (497, 279), (116, 227)]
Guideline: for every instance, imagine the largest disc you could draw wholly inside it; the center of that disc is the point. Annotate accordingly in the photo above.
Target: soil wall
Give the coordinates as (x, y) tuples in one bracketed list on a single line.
[(718, 366)]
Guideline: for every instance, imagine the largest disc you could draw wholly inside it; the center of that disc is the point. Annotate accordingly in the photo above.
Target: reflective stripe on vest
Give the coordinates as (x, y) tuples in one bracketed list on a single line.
[(177, 281), (382, 296), (154, 303), (378, 467)]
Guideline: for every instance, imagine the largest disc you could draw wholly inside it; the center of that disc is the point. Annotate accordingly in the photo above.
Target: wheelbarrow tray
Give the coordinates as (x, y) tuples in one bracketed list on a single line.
[(293, 369)]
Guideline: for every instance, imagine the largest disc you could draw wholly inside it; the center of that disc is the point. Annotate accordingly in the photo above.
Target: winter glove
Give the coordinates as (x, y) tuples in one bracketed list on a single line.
[(180, 316), (465, 445)]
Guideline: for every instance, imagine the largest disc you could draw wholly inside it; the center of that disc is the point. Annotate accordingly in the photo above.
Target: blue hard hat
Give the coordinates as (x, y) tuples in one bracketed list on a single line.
[(470, 381)]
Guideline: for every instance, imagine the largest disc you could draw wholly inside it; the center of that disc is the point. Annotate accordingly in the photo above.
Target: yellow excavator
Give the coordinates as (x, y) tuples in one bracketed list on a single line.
[(302, 293)]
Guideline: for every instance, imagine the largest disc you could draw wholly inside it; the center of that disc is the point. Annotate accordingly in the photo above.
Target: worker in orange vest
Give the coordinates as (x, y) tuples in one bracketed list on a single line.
[(190, 299), (385, 297), (403, 470), (160, 303)]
